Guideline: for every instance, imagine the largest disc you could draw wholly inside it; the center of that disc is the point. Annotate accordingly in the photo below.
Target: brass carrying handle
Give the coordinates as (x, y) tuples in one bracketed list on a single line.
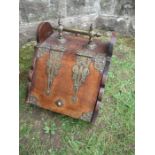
[(97, 34), (89, 33)]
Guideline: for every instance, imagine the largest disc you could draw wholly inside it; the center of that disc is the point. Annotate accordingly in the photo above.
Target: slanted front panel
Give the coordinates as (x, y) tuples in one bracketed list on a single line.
[(67, 82)]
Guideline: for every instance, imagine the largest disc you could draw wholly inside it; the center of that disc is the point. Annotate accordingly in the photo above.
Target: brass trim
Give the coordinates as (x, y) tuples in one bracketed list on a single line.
[(80, 69), (86, 116), (45, 48), (99, 62), (99, 59), (33, 100), (53, 66), (80, 72)]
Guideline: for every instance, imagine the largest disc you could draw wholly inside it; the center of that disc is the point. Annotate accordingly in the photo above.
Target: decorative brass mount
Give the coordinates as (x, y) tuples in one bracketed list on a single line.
[(80, 72), (53, 66), (54, 61), (98, 59), (33, 100), (46, 47)]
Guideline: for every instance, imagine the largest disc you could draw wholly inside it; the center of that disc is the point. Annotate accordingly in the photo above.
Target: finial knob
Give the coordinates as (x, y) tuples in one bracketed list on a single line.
[(60, 28), (91, 35)]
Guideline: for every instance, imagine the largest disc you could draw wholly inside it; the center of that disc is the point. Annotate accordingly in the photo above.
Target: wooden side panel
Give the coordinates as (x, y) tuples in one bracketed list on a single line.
[(44, 30)]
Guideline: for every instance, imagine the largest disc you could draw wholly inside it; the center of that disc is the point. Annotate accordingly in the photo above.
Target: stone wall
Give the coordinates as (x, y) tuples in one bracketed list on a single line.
[(117, 15)]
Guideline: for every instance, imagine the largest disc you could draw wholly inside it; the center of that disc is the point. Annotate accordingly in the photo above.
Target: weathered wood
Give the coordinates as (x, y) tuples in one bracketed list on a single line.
[(101, 92), (30, 75), (96, 111), (44, 30), (67, 77), (103, 81)]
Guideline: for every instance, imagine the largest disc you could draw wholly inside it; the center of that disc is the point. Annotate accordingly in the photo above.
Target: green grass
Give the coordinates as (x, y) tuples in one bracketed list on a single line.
[(46, 133)]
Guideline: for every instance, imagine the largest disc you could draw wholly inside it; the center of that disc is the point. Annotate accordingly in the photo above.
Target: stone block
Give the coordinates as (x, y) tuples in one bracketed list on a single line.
[(113, 23)]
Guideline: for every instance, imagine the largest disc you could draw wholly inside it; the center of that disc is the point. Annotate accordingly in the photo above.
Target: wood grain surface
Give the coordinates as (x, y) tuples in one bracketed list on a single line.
[(63, 84)]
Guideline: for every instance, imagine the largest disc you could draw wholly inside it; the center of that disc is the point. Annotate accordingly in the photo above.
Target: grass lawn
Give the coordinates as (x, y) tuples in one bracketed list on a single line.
[(43, 132)]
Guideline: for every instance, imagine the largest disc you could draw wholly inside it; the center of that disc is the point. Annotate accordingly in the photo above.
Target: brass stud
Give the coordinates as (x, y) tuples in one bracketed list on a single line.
[(59, 103)]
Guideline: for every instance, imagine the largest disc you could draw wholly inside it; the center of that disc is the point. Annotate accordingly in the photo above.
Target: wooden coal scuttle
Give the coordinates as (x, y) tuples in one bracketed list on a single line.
[(69, 71)]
